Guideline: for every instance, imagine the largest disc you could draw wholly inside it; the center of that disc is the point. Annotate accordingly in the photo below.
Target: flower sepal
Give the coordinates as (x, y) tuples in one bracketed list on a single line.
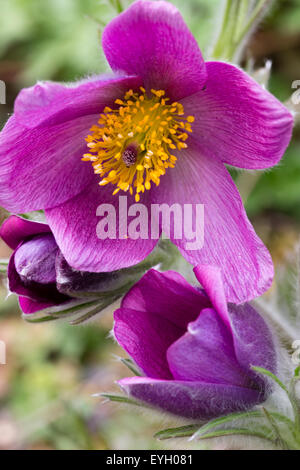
[(76, 312), (80, 284)]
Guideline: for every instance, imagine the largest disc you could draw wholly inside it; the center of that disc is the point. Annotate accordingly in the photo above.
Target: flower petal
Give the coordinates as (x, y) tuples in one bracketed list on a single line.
[(35, 259), (238, 121), (193, 400), (205, 353), (40, 162), (229, 239), (159, 302), (44, 293), (15, 229), (167, 295), (48, 103), (150, 39), (75, 227), (210, 277), (140, 334), (253, 341)]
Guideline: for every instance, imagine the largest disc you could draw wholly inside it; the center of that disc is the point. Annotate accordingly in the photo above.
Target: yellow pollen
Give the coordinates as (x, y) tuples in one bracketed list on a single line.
[(133, 144)]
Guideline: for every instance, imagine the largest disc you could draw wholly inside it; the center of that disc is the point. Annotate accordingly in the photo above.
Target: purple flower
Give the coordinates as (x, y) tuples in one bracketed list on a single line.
[(39, 274), (31, 269), (168, 123), (195, 350)]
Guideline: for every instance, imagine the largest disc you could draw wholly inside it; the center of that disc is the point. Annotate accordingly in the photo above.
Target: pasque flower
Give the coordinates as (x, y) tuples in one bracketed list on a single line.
[(160, 131), (194, 350), (39, 274), (31, 269)]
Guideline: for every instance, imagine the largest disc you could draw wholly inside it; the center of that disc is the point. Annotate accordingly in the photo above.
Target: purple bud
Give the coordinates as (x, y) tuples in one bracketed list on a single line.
[(40, 275), (31, 271), (35, 259)]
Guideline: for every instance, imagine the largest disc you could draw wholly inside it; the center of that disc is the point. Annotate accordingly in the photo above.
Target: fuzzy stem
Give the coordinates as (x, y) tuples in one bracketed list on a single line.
[(256, 16), (235, 26), (220, 46)]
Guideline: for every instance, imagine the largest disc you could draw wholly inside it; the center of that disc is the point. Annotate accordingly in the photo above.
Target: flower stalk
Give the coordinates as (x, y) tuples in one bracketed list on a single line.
[(241, 17)]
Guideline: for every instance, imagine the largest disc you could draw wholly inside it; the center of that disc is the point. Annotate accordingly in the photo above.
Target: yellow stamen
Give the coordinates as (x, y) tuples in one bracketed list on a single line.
[(130, 148)]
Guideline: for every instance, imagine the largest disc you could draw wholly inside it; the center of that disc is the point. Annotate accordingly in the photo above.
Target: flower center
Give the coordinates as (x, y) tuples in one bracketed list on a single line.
[(132, 145)]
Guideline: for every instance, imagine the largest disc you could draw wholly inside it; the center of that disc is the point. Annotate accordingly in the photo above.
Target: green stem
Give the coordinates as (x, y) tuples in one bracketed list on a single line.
[(254, 19), (243, 10), (239, 20), (235, 26), (224, 43), (217, 52), (172, 433)]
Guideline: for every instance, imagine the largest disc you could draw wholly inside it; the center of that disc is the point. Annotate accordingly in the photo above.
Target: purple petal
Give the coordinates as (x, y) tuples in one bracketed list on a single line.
[(74, 225), (230, 242), (159, 302), (44, 293), (41, 146), (140, 334), (238, 121), (151, 40), (193, 400), (205, 353), (35, 259), (15, 230), (167, 295), (210, 277), (253, 341), (50, 103)]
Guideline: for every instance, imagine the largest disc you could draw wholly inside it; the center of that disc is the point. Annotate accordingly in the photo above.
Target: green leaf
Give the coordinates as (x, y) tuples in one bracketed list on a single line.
[(281, 442), (255, 414), (182, 431), (131, 366), (100, 306), (226, 419), (67, 310), (119, 399), (238, 432)]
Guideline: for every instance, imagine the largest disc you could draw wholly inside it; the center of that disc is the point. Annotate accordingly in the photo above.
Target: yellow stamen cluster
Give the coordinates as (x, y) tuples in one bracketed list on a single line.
[(148, 129)]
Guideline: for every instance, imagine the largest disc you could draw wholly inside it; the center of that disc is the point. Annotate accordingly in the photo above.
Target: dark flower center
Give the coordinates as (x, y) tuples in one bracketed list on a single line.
[(129, 155)]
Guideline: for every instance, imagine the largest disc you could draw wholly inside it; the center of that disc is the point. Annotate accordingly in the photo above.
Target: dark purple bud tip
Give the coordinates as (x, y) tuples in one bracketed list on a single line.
[(129, 156)]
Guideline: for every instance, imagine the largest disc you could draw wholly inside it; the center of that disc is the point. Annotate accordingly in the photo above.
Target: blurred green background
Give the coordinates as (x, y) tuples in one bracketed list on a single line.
[(53, 369)]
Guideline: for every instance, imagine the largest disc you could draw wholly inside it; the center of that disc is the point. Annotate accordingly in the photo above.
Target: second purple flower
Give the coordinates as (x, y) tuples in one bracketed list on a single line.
[(194, 350)]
